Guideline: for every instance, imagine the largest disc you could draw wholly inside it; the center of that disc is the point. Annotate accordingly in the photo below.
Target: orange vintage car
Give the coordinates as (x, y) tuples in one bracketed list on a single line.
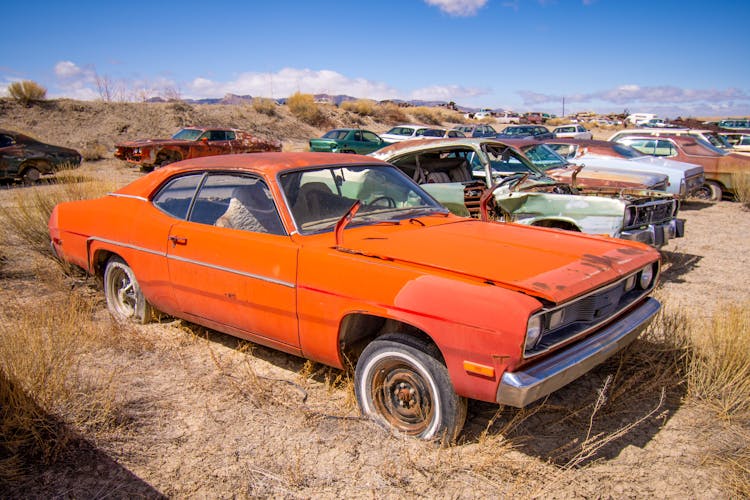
[(342, 258)]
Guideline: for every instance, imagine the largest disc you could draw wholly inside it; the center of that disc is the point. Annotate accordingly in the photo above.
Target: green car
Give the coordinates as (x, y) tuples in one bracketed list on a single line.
[(348, 140)]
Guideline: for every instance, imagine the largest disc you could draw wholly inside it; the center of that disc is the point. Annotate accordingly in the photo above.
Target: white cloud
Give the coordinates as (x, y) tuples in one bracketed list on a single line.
[(288, 81), (447, 93), (68, 69), (461, 8)]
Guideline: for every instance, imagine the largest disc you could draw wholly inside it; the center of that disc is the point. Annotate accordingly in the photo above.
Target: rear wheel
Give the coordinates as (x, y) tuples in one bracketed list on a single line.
[(124, 298), (31, 175), (401, 386), (710, 191)]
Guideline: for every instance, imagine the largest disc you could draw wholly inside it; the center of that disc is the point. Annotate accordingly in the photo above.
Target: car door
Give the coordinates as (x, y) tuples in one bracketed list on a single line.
[(231, 262), (370, 142)]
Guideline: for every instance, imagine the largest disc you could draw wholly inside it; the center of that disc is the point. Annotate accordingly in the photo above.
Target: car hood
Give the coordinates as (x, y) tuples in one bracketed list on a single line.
[(675, 169), (546, 263)]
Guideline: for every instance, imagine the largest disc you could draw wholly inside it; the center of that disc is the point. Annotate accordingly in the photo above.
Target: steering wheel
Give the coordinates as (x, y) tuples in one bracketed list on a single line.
[(390, 202)]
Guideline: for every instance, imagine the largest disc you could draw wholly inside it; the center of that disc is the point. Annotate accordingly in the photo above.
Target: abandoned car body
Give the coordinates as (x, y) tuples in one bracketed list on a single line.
[(585, 177), (719, 166), (192, 142), (457, 172), (300, 232), (685, 179), (22, 157)]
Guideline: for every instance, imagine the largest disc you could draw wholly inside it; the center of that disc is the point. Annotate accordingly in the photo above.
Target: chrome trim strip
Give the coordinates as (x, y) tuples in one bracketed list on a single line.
[(126, 245), (131, 196), (196, 262), (525, 386), (233, 271)]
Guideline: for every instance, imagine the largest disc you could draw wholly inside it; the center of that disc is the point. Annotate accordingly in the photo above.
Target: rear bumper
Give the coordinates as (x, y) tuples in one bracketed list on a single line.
[(525, 386), (657, 235)]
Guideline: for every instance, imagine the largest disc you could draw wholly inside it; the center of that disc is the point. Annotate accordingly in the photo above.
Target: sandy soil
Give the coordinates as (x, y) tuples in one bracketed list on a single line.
[(205, 415)]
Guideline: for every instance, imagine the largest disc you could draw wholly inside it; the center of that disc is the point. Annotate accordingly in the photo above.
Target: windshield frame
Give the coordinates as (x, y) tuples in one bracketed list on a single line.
[(189, 134)]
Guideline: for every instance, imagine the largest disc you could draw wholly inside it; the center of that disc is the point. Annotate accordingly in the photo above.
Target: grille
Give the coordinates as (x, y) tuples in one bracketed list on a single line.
[(652, 212)]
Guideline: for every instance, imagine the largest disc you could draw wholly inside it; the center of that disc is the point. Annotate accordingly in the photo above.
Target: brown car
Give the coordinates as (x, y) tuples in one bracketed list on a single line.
[(192, 142), (718, 165)]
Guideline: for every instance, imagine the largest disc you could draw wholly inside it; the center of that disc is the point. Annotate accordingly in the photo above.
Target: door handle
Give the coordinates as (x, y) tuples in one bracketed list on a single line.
[(177, 240)]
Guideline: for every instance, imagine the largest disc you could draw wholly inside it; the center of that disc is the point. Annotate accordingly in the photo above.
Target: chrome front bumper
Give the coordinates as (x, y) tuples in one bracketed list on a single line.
[(657, 235), (525, 386)]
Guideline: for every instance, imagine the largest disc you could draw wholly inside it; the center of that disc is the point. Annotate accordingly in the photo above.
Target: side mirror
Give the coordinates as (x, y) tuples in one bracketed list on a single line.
[(204, 139)]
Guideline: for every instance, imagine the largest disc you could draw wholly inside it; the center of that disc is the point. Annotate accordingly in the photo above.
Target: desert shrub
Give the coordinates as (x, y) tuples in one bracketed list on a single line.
[(554, 122), (390, 113), (719, 362), (28, 219), (45, 396), (435, 116), (27, 92), (94, 151), (264, 106), (362, 107), (741, 184), (304, 108)]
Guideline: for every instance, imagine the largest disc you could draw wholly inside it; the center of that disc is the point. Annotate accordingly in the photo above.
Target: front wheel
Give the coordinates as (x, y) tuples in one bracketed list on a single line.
[(31, 175), (125, 300), (710, 191), (402, 387)]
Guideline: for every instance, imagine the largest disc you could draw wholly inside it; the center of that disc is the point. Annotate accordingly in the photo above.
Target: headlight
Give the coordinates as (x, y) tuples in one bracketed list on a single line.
[(629, 219), (533, 332), (137, 151), (630, 283), (556, 318), (646, 277)]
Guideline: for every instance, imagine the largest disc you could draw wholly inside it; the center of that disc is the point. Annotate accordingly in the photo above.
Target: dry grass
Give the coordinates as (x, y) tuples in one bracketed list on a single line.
[(741, 185), (27, 92), (94, 151), (264, 106), (46, 396), (719, 363), (303, 107), (434, 116), (28, 219), (362, 107), (390, 113)]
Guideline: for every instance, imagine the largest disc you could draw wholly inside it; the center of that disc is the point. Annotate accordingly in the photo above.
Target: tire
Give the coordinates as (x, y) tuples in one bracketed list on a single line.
[(164, 159), (709, 191), (31, 175), (125, 300), (403, 387)]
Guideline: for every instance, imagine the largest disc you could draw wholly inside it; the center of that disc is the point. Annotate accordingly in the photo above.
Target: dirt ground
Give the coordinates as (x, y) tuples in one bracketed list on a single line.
[(207, 416)]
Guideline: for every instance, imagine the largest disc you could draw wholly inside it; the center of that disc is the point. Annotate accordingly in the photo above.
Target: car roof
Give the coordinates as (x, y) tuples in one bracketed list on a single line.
[(266, 164), (409, 146)]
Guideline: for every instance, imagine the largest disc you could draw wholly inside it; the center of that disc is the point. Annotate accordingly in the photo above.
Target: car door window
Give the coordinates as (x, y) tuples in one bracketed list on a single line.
[(230, 136), (176, 196), (664, 148), (236, 202), (370, 137)]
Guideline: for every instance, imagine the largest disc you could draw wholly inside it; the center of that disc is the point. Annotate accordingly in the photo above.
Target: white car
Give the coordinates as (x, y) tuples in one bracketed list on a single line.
[(572, 131), (508, 117), (684, 178), (404, 132)]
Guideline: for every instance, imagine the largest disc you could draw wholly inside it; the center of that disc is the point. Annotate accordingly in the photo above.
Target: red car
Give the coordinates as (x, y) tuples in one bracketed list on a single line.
[(192, 142), (344, 259)]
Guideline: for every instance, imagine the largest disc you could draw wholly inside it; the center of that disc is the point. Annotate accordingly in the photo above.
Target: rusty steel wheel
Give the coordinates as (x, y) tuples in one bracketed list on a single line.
[(402, 387), (709, 191), (124, 298)]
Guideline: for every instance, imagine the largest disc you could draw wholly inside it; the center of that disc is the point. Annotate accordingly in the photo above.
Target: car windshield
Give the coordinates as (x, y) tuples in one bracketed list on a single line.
[(700, 146), (431, 132), (717, 140), (319, 198), (518, 130), (335, 134), (503, 160), (543, 157), (187, 134), (626, 151)]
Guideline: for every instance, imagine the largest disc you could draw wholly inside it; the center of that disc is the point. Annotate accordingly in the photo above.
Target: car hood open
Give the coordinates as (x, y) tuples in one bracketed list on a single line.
[(551, 264)]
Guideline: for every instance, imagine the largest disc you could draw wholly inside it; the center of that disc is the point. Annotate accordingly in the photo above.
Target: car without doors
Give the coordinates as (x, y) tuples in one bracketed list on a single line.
[(343, 259)]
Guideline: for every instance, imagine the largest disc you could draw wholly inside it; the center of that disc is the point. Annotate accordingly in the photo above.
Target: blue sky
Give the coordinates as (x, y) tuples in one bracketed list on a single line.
[(672, 57)]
